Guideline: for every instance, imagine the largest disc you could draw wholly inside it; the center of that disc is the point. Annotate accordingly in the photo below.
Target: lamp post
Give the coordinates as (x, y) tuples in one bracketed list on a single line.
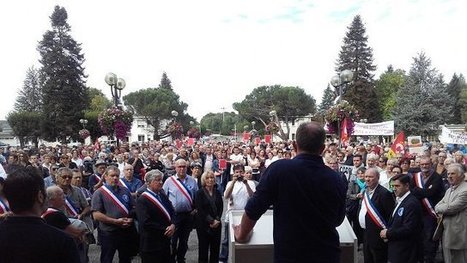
[(253, 125), (272, 114), (116, 86), (83, 122), (339, 81)]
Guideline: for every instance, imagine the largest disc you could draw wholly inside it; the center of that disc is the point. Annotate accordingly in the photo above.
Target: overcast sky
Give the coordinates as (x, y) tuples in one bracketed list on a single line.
[(216, 52)]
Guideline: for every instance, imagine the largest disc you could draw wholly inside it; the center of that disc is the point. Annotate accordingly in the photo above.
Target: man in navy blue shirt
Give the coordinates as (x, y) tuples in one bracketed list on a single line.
[(308, 199)]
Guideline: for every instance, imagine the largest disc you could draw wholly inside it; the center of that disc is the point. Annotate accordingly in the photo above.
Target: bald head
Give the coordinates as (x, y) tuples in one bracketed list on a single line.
[(310, 138)]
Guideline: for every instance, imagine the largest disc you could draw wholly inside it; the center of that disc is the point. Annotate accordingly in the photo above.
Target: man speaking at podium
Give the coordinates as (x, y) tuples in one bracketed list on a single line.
[(308, 199)]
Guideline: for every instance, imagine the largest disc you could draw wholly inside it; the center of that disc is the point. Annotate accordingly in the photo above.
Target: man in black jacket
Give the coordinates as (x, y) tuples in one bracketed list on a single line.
[(155, 216), (404, 233)]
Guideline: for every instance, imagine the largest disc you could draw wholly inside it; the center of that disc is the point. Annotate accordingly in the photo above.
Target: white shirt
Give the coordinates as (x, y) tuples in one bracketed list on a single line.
[(236, 158), (362, 214), (399, 201), (239, 196)]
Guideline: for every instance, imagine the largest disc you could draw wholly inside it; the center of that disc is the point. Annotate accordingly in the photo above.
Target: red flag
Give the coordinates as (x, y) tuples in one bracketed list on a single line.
[(267, 138), (344, 135), (397, 145)]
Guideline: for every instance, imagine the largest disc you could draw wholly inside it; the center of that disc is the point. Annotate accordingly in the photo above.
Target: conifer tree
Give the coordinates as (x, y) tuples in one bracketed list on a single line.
[(357, 56), (64, 90), (327, 100), (454, 89), (165, 82), (30, 96)]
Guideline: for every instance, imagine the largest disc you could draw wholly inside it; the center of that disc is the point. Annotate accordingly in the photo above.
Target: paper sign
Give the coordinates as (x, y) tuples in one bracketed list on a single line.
[(178, 143), (267, 138), (191, 141), (222, 164), (246, 136)]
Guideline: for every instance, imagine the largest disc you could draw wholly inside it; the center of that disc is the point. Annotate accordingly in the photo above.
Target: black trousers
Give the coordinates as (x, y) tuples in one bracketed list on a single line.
[(429, 246), (162, 256), (124, 240), (183, 226), (209, 241)]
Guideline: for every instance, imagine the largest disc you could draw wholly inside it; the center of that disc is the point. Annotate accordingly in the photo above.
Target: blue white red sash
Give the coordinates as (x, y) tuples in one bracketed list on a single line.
[(3, 207), (181, 186), (151, 196), (419, 183), (373, 212), (72, 211), (106, 191), (49, 211), (123, 183)]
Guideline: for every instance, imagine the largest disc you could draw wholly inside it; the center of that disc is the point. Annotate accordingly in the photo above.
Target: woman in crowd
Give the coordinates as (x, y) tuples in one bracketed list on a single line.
[(209, 204), (254, 163), (354, 196), (405, 165)]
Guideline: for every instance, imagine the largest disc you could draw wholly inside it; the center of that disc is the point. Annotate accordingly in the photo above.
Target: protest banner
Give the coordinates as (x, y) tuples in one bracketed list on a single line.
[(415, 144), (374, 129), (448, 136)]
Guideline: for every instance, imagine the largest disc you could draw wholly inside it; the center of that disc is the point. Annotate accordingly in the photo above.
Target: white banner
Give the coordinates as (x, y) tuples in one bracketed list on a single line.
[(381, 128), (448, 136)]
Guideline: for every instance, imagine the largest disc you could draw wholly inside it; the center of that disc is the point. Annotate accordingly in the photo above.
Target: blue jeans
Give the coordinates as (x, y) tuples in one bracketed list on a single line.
[(224, 256)]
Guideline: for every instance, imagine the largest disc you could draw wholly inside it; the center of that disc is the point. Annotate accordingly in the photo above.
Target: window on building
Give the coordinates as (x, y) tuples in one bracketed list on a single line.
[(141, 138)]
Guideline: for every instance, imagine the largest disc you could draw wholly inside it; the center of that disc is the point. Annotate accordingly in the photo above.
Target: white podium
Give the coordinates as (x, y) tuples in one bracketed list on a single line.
[(261, 246)]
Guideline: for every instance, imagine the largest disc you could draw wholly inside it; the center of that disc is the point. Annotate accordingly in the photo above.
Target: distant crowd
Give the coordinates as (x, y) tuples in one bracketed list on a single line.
[(170, 190)]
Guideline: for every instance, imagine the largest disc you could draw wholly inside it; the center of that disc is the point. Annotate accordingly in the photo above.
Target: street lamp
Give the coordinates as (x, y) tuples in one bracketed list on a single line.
[(116, 86), (83, 122), (339, 81), (253, 125)]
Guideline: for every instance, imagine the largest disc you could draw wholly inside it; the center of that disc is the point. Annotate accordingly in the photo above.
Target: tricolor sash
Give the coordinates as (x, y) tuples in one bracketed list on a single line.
[(3, 207), (109, 193), (419, 183), (183, 189), (49, 211), (151, 196), (373, 212), (123, 183), (72, 210), (98, 177)]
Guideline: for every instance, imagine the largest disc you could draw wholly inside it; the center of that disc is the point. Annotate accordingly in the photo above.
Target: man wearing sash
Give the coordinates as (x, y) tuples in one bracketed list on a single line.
[(427, 186), (181, 189), (76, 205), (375, 211), (404, 232), (155, 216), (129, 181), (96, 180), (113, 207), (24, 235)]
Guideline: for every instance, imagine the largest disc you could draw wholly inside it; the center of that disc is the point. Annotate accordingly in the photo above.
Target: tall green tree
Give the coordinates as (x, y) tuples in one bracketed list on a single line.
[(226, 123), (289, 103), (454, 89), (357, 56), (422, 103), (25, 126), (327, 100), (98, 102), (387, 87), (155, 106), (64, 89), (165, 82), (30, 96)]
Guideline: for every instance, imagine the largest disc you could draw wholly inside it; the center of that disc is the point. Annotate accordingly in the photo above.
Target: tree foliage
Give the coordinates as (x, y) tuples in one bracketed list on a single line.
[(25, 125), (64, 89), (226, 123), (165, 82), (155, 106), (422, 103), (455, 88), (289, 103), (327, 100), (30, 96), (357, 56), (387, 87)]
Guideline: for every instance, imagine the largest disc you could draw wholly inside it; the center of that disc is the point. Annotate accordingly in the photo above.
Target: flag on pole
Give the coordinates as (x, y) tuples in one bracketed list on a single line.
[(397, 145), (344, 135)]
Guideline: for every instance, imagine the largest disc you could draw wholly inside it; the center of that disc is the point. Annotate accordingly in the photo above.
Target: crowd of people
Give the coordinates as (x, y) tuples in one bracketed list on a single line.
[(146, 198)]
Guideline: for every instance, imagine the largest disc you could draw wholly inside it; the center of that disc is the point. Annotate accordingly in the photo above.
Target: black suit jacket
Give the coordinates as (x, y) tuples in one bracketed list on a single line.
[(209, 208), (152, 224), (433, 190), (384, 203), (405, 232)]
